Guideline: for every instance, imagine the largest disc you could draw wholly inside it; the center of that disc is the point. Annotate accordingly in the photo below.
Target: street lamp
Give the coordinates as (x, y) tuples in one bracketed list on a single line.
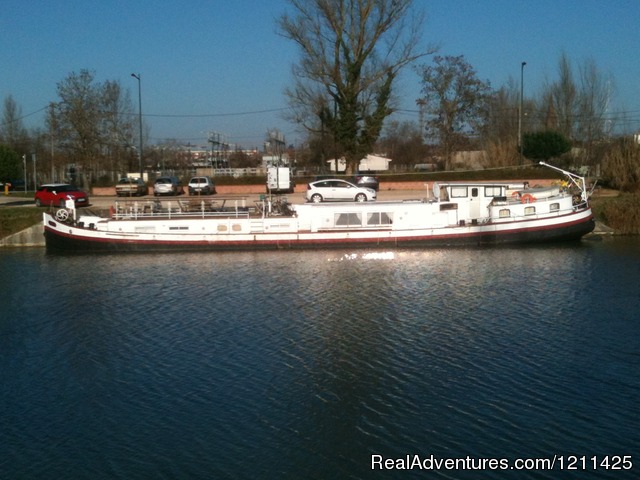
[(137, 77), (520, 109)]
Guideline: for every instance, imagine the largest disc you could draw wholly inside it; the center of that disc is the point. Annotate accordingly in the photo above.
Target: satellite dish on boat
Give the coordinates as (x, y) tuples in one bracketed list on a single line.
[(436, 190)]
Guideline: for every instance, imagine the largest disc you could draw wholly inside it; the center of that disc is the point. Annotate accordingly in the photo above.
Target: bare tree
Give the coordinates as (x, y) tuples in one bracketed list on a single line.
[(564, 98), (456, 100), (78, 116), (500, 133), (595, 93), (92, 122), (117, 125), (351, 53), (402, 141), (578, 108)]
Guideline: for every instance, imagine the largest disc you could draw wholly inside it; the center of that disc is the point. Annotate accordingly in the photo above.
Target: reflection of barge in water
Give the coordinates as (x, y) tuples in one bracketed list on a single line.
[(471, 213)]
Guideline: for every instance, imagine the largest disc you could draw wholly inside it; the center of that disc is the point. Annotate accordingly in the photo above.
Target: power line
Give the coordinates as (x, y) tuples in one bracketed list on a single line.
[(25, 116), (161, 115), (207, 115)]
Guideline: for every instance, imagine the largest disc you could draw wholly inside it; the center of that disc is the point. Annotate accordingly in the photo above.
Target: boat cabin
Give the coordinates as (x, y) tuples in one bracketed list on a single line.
[(471, 200)]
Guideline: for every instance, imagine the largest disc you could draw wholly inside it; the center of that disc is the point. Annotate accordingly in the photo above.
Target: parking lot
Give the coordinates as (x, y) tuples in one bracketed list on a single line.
[(294, 198)]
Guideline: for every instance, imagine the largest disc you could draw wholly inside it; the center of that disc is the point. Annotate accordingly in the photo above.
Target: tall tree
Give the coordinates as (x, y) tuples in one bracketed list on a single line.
[(457, 101), (79, 116), (576, 105), (564, 94), (12, 131), (117, 125), (351, 54), (92, 122), (593, 102)]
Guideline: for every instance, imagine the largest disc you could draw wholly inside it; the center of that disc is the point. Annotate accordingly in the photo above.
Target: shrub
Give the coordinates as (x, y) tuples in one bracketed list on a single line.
[(621, 166), (621, 213), (545, 145)]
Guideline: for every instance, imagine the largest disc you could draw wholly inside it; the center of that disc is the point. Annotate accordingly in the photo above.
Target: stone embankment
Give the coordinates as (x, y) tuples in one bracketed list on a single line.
[(30, 237)]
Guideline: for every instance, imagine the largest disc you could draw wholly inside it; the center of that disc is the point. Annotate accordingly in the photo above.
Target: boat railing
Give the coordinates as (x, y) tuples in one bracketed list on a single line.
[(220, 207)]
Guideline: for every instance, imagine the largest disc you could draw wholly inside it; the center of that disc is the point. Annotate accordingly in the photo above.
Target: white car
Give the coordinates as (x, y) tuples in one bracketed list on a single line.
[(334, 189), (201, 186)]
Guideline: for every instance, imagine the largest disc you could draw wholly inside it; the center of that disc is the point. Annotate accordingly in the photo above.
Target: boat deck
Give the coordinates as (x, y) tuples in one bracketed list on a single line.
[(199, 208)]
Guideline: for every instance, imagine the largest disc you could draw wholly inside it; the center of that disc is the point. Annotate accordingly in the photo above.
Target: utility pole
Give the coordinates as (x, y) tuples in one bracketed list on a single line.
[(24, 168), (35, 177), (137, 77), (520, 110)]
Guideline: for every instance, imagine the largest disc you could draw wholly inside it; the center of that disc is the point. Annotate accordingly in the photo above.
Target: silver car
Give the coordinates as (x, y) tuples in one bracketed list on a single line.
[(334, 189), (167, 186)]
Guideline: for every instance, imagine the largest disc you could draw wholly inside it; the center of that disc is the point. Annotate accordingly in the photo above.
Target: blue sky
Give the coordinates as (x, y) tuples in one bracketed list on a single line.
[(220, 65)]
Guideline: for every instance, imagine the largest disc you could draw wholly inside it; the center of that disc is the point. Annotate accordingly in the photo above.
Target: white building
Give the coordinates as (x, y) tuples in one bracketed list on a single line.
[(370, 163)]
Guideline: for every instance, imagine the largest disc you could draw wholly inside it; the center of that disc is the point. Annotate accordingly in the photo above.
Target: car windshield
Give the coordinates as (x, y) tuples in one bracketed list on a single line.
[(163, 180), (64, 188)]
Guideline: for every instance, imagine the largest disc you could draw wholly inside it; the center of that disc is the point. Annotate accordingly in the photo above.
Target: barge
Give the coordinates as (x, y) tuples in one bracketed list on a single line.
[(450, 214)]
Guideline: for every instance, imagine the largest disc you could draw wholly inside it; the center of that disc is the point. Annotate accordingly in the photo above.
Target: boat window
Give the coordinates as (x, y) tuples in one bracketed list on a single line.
[(448, 206), (458, 192), (505, 212), (492, 191), (379, 218), (347, 220), (474, 192), (529, 210), (554, 207)]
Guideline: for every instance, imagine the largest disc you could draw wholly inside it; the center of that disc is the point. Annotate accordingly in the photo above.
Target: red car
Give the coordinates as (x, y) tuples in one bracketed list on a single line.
[(58, 193)]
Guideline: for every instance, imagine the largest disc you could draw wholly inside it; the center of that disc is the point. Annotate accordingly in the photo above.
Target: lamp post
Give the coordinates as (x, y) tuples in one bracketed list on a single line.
[(520, 109), (137, 77)]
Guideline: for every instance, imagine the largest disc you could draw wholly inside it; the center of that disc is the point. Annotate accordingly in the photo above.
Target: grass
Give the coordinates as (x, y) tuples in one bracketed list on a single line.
[(15, 219)]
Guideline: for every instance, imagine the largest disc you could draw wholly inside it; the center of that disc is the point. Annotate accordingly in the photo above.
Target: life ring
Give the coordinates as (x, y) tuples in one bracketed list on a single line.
[(527, 198), (515, 195)]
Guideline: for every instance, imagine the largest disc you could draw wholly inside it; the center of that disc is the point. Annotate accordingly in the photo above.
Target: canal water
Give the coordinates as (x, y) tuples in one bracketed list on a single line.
[(322, 364)]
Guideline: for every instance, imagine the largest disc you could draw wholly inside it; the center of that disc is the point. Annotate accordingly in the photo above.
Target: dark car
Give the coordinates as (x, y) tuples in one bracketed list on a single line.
[(16, 185), (367, 181), (57, 194)]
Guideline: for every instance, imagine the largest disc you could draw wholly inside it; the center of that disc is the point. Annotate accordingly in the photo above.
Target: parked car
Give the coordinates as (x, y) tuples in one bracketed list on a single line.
[(58, 193), (201, 186), (167, 186), (128, 187), (16, 185), (338, 190), (368, 181)]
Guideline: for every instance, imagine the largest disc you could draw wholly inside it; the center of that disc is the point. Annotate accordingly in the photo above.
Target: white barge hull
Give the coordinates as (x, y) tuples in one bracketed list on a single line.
[(278, 234)]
